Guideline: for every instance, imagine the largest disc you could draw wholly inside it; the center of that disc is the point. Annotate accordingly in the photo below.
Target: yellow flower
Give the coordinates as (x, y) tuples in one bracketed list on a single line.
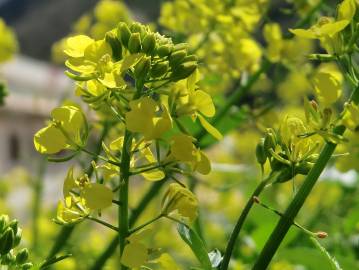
[(183, 149), (328, 84), (180, 200), (68, 129), (273, 36), (146, 118)]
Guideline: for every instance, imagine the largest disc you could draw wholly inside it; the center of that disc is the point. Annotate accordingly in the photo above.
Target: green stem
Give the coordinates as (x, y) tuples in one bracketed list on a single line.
[(145, 224), (108, 225), (237, 228), (123, 192)]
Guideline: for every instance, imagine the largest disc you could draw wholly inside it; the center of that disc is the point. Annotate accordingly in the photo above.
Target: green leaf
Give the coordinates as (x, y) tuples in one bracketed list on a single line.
[(196, 244)]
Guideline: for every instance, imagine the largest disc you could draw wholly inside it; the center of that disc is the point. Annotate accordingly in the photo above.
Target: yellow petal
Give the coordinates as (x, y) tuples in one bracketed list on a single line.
[(210, 129), (204, 103), (75, 46), (130, 61), (204, 165), (49, 140), (134, 255), (97, 196), (304, 33)]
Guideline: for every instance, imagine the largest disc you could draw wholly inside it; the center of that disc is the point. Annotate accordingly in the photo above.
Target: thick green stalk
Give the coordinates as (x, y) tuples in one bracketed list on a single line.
[(123, 192), (237, 228), (286, 220)]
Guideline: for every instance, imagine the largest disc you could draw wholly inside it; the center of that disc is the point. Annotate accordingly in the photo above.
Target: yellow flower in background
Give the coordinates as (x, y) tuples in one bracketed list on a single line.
[(180, 200), (273, 36), (328, 84), (8, 42)]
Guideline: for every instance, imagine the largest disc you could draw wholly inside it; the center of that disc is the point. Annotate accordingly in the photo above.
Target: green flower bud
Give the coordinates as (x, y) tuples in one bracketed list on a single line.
[(134, 43), (180, 47), (276, 165), (183, 70), (285, 174), (149, 44), (190, 58), (22, 256), (260, 152), (6, 241), (115, 45), (270, 141), (8, 259), (27, 266), (177, 57), (164, 50), (123, 33), (4, 220), (304, 168), (142, 68), (159, 69), (18, 236), (14, 224), (136, 27)]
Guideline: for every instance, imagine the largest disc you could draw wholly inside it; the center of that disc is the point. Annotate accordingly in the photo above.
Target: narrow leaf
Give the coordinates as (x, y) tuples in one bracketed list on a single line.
[(192, 239)]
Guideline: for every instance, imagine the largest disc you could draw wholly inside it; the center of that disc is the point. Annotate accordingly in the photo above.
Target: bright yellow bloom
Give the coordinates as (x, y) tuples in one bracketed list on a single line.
[(183, 149), (68, 129), (146, 118)]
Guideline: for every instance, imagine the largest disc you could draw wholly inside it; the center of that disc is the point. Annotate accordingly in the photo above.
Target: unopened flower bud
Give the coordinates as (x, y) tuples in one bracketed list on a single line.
[(17, 238), (190, 58), (321, 235), (180, 46), (123, 33), (14, 224), (149, 44), (260, 152), (6, 241), (4, 220), (177, 57), (115, 45), (142, 68), (184, 70), (134, 43), (164, 50), (22, 256), (304, 168), (136, 27), (159, 69)]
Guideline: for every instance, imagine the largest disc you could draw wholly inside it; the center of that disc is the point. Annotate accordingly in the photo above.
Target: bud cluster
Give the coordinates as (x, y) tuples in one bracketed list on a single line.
[(287, 153), (10, 237)]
